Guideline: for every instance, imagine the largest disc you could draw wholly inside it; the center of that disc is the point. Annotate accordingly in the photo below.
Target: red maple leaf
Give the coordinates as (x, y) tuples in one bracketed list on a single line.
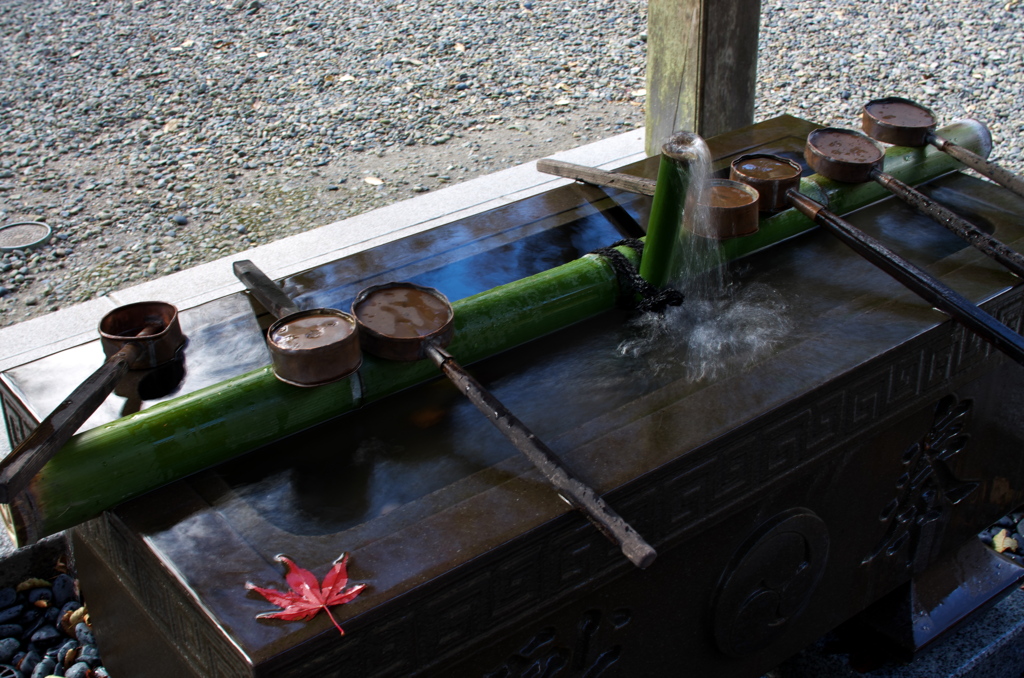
[(307, 596)]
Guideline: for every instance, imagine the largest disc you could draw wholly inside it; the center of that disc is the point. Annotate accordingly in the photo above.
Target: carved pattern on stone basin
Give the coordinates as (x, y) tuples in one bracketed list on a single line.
[(927, 487)]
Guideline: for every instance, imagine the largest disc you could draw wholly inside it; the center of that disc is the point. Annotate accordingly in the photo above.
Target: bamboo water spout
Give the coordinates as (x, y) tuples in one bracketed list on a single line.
[(664, 229)]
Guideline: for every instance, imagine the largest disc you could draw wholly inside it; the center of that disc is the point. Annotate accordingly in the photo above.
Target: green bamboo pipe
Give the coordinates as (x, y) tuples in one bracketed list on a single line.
[(664, 227), (114, 462)]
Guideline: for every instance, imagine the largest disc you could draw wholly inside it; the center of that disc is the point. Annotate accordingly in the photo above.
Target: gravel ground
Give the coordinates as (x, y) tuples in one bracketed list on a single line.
[(154, 135)]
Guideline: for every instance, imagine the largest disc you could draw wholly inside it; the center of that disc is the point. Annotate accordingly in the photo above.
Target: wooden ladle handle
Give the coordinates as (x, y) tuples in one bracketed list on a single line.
[(579, 495)]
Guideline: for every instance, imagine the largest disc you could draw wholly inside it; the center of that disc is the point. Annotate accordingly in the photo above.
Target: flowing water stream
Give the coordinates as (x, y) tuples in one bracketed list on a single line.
[(723, 321)]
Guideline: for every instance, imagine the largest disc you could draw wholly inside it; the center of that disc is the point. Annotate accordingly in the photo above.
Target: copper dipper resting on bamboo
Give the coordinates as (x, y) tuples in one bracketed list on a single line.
[(903, 122), (136, 336), (307, 348), (732, 210), (849, 156), (408, 322)]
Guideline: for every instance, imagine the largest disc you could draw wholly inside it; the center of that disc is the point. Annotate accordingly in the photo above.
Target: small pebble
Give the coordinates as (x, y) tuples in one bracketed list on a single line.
[(90, 655), (30, 616), (63, 590), (78, 670), (63, 650), (8, 648), (28, 663), (180, 219), (44, 668), (84, 634), (46, 637), (11, 630)]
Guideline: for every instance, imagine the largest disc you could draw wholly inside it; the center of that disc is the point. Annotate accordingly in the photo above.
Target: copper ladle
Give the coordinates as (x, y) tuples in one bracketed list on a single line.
[(903, 122), (307, 348), (846, 155), (136, 336)]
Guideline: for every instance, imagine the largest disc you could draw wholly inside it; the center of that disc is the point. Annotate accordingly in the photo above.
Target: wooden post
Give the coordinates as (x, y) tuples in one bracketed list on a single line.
[(701, 67)]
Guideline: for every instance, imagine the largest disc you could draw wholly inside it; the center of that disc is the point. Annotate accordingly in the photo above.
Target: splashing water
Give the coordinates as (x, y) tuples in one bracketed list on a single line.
[(705, 336), (721, 323)]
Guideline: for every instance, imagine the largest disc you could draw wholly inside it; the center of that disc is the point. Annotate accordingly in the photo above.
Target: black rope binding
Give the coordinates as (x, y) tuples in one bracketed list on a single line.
[(632, 285)]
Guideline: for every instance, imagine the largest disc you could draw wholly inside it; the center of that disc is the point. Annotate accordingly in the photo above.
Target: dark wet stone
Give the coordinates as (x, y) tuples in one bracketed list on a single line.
[(8, 648), (84, 634), (8, 671), (90, 655), (11, 614), (11, 630), (36, 595), (62, 652), (44, 668), (30, 615), (28, 663), (78, 670), (47, 636), (63, 590), (7, 597), (39, 623)]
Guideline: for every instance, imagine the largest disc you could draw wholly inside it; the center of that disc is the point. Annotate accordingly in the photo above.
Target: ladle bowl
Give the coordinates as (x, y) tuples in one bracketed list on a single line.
[(770, 175), (307, 348), (398, 319), (898, 121), (125, 323), (843, 155), (903, 122), (732, 210), (314, 347)]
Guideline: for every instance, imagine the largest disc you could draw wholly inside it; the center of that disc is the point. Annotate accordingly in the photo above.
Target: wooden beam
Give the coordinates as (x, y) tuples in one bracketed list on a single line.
[(701, 67)]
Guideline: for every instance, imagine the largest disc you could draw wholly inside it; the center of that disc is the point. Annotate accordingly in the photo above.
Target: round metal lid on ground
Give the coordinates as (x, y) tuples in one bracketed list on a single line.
[(24, 235)]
